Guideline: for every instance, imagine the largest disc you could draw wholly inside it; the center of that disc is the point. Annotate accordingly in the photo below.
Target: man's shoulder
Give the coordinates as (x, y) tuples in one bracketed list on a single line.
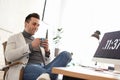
[(16, 35)]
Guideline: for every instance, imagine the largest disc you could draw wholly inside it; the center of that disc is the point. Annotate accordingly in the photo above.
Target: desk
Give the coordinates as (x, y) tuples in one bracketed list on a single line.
[(84, 73)]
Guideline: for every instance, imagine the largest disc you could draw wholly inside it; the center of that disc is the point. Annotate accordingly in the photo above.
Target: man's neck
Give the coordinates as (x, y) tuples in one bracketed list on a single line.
[(27, 35)]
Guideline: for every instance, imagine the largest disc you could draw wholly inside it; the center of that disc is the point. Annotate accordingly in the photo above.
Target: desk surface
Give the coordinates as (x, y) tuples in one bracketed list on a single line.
[(85, 73)]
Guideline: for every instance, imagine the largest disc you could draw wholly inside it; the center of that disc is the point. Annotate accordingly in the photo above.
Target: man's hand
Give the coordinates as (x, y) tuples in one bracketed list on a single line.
[(45, 44), (36, 43)]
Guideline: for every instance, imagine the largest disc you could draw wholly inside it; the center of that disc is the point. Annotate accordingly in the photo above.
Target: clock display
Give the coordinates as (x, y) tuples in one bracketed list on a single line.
[(109, 46), (112, 44), (108, 50)]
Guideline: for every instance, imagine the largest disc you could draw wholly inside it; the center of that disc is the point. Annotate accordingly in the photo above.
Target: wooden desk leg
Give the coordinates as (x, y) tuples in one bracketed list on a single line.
[(71, 78)]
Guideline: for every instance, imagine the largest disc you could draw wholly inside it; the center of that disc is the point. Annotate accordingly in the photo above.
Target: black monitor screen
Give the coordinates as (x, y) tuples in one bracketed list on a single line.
[(109, 46)]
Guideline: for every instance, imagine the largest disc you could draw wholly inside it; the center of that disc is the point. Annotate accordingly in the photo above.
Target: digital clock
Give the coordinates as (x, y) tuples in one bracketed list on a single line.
[(112, 44), (108, 50)]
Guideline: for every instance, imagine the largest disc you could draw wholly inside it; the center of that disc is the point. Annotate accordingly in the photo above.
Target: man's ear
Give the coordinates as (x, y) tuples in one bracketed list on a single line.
[(25, 24)]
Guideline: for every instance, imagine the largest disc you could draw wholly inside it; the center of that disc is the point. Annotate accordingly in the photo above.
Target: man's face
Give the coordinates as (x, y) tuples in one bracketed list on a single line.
[(32, 26)]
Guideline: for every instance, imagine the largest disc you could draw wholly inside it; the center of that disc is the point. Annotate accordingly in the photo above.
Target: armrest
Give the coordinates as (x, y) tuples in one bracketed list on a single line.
[(9, 65)]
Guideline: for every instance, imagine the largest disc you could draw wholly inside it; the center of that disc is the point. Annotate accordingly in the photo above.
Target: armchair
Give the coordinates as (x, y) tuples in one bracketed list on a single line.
[(8, 64)]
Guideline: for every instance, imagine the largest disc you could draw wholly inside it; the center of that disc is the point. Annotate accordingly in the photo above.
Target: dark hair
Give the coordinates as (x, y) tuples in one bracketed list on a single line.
[(96, 34), (35, 15)]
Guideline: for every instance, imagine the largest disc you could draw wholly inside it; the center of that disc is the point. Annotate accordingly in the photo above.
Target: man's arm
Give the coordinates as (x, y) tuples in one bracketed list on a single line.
[(16, 48)]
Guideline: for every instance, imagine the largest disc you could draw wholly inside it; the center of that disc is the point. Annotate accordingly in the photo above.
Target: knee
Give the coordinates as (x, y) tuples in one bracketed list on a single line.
[(66, 54)]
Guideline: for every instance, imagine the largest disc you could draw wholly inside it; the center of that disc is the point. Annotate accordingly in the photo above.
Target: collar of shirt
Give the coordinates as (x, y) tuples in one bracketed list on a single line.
[(27, 35)]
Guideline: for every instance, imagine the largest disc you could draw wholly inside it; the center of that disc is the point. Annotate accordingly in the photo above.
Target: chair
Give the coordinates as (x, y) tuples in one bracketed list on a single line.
[(8, 64)]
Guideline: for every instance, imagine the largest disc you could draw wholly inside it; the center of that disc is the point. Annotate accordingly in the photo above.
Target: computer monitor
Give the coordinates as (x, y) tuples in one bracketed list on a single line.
[(108, 50)]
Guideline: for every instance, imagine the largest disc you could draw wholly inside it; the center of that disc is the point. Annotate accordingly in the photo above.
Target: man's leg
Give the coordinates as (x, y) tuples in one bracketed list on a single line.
[(60, 61), (32, 71)]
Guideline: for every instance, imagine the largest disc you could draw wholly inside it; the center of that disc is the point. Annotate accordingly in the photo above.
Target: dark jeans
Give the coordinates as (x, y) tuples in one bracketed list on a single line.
[(32, 71)]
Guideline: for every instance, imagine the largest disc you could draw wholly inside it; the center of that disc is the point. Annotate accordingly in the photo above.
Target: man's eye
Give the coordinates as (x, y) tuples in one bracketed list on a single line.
[(34, 24)]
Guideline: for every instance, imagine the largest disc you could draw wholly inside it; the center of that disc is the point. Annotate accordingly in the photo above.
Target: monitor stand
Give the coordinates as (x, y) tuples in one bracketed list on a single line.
[(116, 69)]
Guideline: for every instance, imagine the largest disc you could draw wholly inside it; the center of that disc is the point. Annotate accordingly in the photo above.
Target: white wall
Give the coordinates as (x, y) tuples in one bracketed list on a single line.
[(83, 17), (13, 13), (52, 12)]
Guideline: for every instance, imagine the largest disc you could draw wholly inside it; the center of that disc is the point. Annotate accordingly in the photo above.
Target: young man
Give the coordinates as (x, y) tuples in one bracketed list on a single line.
[(23, 47)]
